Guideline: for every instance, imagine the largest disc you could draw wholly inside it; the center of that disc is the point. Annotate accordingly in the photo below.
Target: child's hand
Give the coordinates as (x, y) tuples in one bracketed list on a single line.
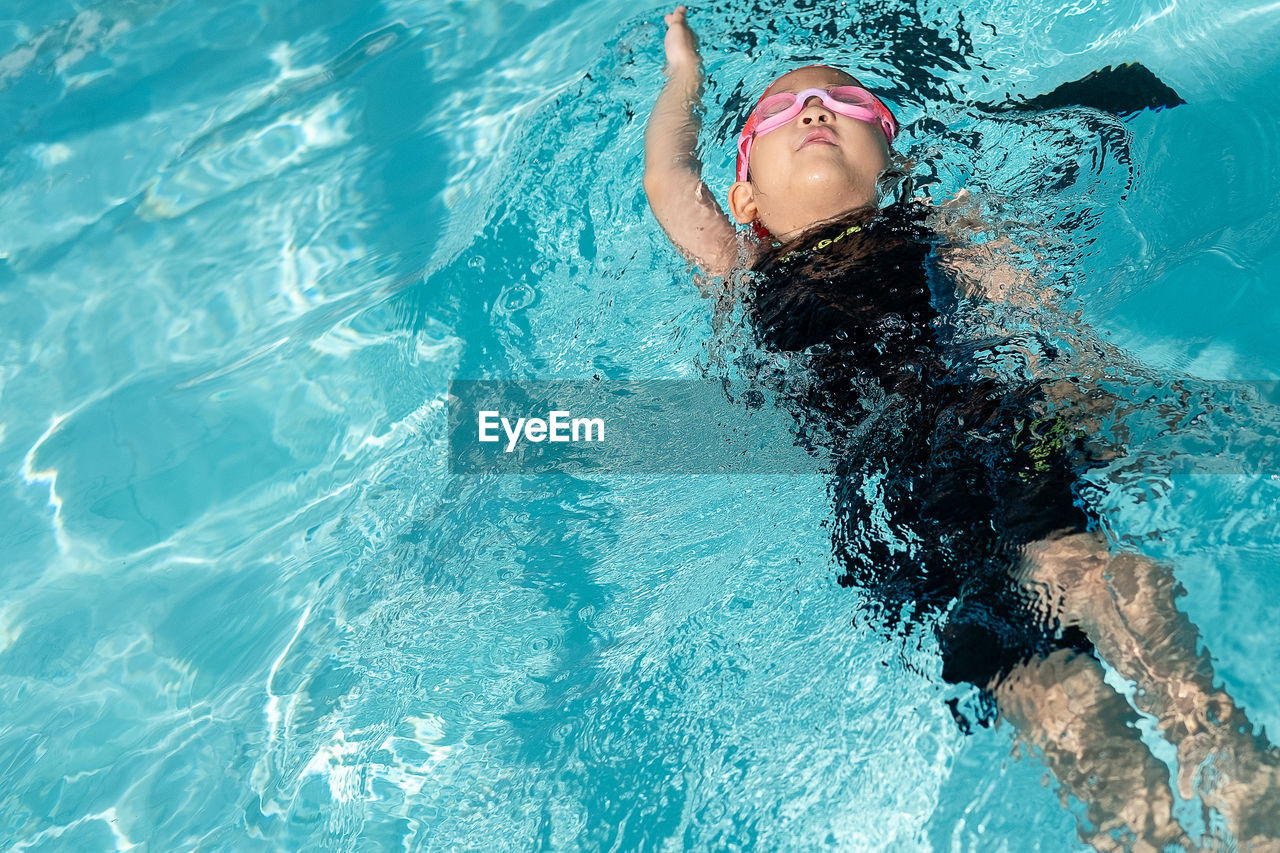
[(960, 214), (681, 44)]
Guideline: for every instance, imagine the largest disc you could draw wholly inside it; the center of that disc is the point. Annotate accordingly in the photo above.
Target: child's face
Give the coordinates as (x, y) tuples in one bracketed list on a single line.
[(819, 165)]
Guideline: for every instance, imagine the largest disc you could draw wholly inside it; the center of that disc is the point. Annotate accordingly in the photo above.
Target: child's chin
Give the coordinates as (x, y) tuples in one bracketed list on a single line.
[(826, 198)]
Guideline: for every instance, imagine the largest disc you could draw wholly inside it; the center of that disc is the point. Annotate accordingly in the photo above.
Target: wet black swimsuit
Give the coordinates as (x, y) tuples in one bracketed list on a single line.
[(939, 476)]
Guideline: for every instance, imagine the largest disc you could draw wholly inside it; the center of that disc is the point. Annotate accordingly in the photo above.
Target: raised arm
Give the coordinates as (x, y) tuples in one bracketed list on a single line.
[(681, 202)]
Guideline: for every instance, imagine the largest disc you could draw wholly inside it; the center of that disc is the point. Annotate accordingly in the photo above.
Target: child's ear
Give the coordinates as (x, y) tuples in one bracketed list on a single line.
[(742, 202)]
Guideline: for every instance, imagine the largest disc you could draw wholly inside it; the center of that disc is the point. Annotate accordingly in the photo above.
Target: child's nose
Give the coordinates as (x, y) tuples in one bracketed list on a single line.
[(822, 114)]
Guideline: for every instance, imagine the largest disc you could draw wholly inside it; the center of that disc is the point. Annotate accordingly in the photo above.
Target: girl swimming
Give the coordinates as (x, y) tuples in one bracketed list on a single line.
[(955, 495)]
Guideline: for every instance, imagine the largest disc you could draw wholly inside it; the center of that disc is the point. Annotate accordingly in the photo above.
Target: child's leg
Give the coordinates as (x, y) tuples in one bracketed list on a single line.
[(1126, 604), (1085, 730)]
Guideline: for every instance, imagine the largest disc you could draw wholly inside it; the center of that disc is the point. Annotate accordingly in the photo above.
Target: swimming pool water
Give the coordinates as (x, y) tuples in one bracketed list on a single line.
[(244, 250)]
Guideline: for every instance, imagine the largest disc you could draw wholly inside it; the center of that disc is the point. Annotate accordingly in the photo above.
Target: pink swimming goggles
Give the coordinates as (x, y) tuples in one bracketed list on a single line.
[(775, 111)]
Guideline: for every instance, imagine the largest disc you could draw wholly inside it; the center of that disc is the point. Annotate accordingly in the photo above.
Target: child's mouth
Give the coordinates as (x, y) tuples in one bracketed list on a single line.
[(820, 136)]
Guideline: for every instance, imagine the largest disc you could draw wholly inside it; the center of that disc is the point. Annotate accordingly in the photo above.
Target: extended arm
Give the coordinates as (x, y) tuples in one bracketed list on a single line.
[(681, 202), (1076, 388), (985, 270)]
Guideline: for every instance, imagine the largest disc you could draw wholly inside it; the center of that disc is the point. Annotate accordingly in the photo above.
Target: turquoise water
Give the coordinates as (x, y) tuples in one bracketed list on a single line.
[(242, 254)]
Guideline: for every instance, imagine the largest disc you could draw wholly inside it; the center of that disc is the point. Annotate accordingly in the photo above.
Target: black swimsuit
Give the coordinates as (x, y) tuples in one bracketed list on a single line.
[(940, 476)]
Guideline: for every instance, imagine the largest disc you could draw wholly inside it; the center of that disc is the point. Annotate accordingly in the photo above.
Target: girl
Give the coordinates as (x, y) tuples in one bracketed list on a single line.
[(954, 497)]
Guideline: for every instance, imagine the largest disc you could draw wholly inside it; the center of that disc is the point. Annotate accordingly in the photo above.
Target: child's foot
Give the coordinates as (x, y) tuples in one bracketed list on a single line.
[(1235, 773)]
